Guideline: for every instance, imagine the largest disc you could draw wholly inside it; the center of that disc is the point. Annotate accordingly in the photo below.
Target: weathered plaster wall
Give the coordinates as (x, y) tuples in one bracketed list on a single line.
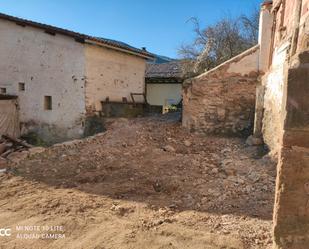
[(49, 66), (223, 99), (273, 82), (303, 40), (112, 74), (162, 94), (286, 122), (265, 40), (284, 20), (287, 22), (265, 36)]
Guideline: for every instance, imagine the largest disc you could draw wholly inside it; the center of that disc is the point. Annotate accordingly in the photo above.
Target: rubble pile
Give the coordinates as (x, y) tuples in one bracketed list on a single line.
[(11, 149), (154, 175)]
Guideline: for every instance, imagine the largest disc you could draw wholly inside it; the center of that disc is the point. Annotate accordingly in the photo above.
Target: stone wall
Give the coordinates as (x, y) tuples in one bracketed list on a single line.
[(291, 213), (222, 100)]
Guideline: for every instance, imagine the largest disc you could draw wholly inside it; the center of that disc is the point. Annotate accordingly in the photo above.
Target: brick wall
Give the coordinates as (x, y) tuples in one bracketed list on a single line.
[(222, 101)]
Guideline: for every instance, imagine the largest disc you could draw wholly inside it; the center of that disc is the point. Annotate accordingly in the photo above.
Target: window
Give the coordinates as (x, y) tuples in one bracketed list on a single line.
[(21, 86), (47, 102), (2, 90)]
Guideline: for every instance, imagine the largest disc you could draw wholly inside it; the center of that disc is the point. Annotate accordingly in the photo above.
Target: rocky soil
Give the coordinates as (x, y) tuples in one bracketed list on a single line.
[(144, 183)]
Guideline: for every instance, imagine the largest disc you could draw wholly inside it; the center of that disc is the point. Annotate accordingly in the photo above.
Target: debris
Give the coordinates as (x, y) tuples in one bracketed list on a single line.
[(71, 143), (157, 187), (187, 143), (3, 162), (169, 148), (2, 148), (253, 176), (254, 141), (14, 149), (5, 154), (121, 210), (124, 173), (36, 150), (16, 157), (17, 141), (215, 171)]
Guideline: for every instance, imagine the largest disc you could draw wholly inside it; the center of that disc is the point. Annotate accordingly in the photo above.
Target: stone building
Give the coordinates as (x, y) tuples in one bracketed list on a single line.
[(62, 77), (281, 108)]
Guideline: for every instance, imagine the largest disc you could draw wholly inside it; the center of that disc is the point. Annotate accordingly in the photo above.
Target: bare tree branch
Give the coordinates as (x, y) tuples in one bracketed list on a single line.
[(219, 42)]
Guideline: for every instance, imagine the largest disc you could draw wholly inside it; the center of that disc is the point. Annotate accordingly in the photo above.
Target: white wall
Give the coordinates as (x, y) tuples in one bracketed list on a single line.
[(274, 82), (265, 35), (77, 76), (158, 94), (48, 65)]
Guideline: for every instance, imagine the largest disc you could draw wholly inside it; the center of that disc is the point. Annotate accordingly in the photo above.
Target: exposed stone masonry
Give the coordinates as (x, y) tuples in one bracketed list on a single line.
[(222, 101)]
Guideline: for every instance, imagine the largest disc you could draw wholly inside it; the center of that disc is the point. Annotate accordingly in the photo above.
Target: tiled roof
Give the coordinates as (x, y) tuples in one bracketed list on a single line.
[(164, 70), (78, 36)]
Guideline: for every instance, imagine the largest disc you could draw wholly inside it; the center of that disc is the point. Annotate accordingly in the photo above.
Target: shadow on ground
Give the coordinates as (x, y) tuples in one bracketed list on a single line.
[(155, 161)]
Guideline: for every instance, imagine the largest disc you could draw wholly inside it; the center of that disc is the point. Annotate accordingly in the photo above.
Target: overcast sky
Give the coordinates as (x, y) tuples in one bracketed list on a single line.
[(159, 25)]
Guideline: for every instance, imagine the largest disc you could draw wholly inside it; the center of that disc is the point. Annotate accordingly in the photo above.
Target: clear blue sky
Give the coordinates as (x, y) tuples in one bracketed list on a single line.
[(159, 25)]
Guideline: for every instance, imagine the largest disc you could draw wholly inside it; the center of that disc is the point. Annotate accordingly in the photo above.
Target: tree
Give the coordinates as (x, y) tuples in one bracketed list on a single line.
[(219, 42), (250, 25)]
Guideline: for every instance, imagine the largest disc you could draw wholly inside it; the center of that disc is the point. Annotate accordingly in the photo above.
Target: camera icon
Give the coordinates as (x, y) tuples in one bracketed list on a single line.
[(5, 232)]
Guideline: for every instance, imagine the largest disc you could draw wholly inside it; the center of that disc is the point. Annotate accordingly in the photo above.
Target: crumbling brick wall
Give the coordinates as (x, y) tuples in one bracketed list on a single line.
[(222, 101)]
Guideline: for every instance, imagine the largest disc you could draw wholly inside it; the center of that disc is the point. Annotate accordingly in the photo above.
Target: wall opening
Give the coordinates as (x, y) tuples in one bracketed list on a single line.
[(47, 102), (21, 86), (3, 90)]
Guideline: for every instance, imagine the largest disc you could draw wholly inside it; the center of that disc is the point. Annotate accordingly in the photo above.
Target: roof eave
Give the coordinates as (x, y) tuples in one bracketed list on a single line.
[(73, 34), (102, 44), (172, 80)]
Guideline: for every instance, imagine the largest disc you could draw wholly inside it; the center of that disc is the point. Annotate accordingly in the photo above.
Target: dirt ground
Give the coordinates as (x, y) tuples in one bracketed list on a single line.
[(144, 183)]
